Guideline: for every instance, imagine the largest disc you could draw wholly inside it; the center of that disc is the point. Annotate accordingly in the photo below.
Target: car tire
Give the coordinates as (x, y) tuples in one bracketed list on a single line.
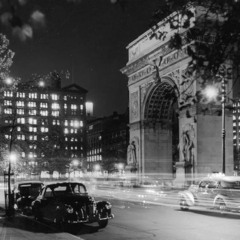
[(61, 225), (37, 216), (220, 205), (183, 205), (103, 223)]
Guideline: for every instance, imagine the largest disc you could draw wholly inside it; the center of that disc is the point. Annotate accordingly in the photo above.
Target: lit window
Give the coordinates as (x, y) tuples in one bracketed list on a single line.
[(55, 106), (73, 107), (55, 113), (81, 123), (20, 104), (43, 105), (20, 111), (65, 98), (8, 111), (32, 104), (44, 113), (32, 121), (66, 123), (44, 96), (32, 95), (8, 93), (66, 131), (65, 106), (21, 94), (32, 129), (55, 97), (32, 137), (44, 129), (32, 112), (81, 107), (18, 129), (7, 103)]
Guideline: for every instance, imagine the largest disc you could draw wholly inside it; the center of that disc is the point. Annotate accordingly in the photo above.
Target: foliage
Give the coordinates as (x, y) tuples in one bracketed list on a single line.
[(216, 33), (6, 57)]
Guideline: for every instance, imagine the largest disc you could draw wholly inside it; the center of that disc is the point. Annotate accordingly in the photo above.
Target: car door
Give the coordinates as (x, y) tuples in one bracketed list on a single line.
[(206, 192), (47, 208)]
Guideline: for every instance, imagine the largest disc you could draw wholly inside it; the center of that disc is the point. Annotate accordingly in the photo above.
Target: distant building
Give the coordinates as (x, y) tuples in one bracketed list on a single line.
[(48, 123), (89, 108), (108, 139), (236, 134)]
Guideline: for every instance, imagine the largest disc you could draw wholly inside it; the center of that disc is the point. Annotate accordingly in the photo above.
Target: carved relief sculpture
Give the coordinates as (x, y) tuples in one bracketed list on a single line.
[(187, 144), (131, 154), (134, 112)]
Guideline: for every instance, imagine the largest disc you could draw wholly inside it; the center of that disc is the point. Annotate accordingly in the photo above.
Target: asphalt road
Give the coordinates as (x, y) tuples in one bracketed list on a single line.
[(137, 216), (148, 222)]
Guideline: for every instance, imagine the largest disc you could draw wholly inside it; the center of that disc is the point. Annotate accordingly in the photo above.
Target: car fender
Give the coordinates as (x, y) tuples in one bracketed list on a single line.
[(103, 204), (188, 196), (222, 197)]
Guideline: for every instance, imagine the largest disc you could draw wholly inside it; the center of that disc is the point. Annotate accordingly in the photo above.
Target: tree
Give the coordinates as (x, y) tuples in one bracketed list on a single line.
[(214, 30)]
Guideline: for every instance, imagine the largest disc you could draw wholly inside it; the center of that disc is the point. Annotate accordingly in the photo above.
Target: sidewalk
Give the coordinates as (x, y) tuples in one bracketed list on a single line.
[(20, 227)]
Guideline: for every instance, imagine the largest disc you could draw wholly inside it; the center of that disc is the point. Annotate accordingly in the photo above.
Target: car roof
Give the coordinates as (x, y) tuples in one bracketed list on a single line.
[(222, 178), (62, 183), (29, 182)]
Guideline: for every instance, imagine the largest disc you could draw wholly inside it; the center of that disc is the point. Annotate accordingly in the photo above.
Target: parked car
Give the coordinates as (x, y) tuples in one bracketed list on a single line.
[(24, 193), (69, 203), (218, 192)]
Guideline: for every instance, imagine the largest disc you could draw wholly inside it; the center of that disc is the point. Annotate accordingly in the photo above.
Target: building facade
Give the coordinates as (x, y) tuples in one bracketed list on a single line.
[(45, 124), (107, 139), (236, 134)]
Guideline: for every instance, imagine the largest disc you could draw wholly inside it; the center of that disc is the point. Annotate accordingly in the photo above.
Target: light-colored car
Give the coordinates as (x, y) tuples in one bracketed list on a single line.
[(217, 191)]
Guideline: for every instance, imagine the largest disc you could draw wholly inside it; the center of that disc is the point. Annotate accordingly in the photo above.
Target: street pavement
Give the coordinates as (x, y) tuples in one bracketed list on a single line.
[(20, 227)]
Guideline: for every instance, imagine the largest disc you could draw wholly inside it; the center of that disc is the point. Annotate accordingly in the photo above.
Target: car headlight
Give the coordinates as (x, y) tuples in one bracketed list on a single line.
[(108, 206), (69, 209)]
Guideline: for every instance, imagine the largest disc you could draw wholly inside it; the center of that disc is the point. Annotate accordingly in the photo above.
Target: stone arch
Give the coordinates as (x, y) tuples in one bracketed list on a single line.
[(163, 94), (161, 128)]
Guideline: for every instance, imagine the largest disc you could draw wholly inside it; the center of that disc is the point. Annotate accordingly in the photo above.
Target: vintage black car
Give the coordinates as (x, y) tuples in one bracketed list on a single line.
[(24, 193), (69, 203)]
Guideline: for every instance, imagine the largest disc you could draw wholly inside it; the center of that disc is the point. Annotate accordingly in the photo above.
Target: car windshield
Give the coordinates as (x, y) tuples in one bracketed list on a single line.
[(30, 189), (66, 189)]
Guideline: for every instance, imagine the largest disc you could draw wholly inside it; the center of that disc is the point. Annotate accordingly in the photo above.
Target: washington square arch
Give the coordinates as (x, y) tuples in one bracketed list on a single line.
[(170, 134)]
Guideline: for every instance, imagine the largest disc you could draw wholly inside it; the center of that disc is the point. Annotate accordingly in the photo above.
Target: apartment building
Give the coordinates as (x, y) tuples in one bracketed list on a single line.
[(45, 124)]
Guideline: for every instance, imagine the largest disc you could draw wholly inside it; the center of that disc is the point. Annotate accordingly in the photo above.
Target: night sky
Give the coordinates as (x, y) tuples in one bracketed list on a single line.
[(89, 40)]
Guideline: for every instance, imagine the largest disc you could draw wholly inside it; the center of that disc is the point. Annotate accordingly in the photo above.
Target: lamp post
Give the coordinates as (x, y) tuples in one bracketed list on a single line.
[(211, 93), (223, 124), (10, 209)]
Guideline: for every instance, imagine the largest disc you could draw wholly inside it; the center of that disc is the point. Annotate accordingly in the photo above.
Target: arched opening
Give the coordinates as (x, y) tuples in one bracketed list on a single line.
[(161, 129)]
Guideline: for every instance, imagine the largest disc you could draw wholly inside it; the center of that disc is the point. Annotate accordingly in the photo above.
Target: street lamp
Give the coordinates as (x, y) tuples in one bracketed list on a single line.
[(12, 159), (211, 93)]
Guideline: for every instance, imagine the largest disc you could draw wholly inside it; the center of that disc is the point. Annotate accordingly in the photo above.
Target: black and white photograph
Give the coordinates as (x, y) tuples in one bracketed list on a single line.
[(119, 119)]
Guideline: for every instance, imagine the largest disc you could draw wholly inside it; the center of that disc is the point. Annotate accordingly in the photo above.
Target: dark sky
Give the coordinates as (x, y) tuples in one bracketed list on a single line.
[(88, 39)]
